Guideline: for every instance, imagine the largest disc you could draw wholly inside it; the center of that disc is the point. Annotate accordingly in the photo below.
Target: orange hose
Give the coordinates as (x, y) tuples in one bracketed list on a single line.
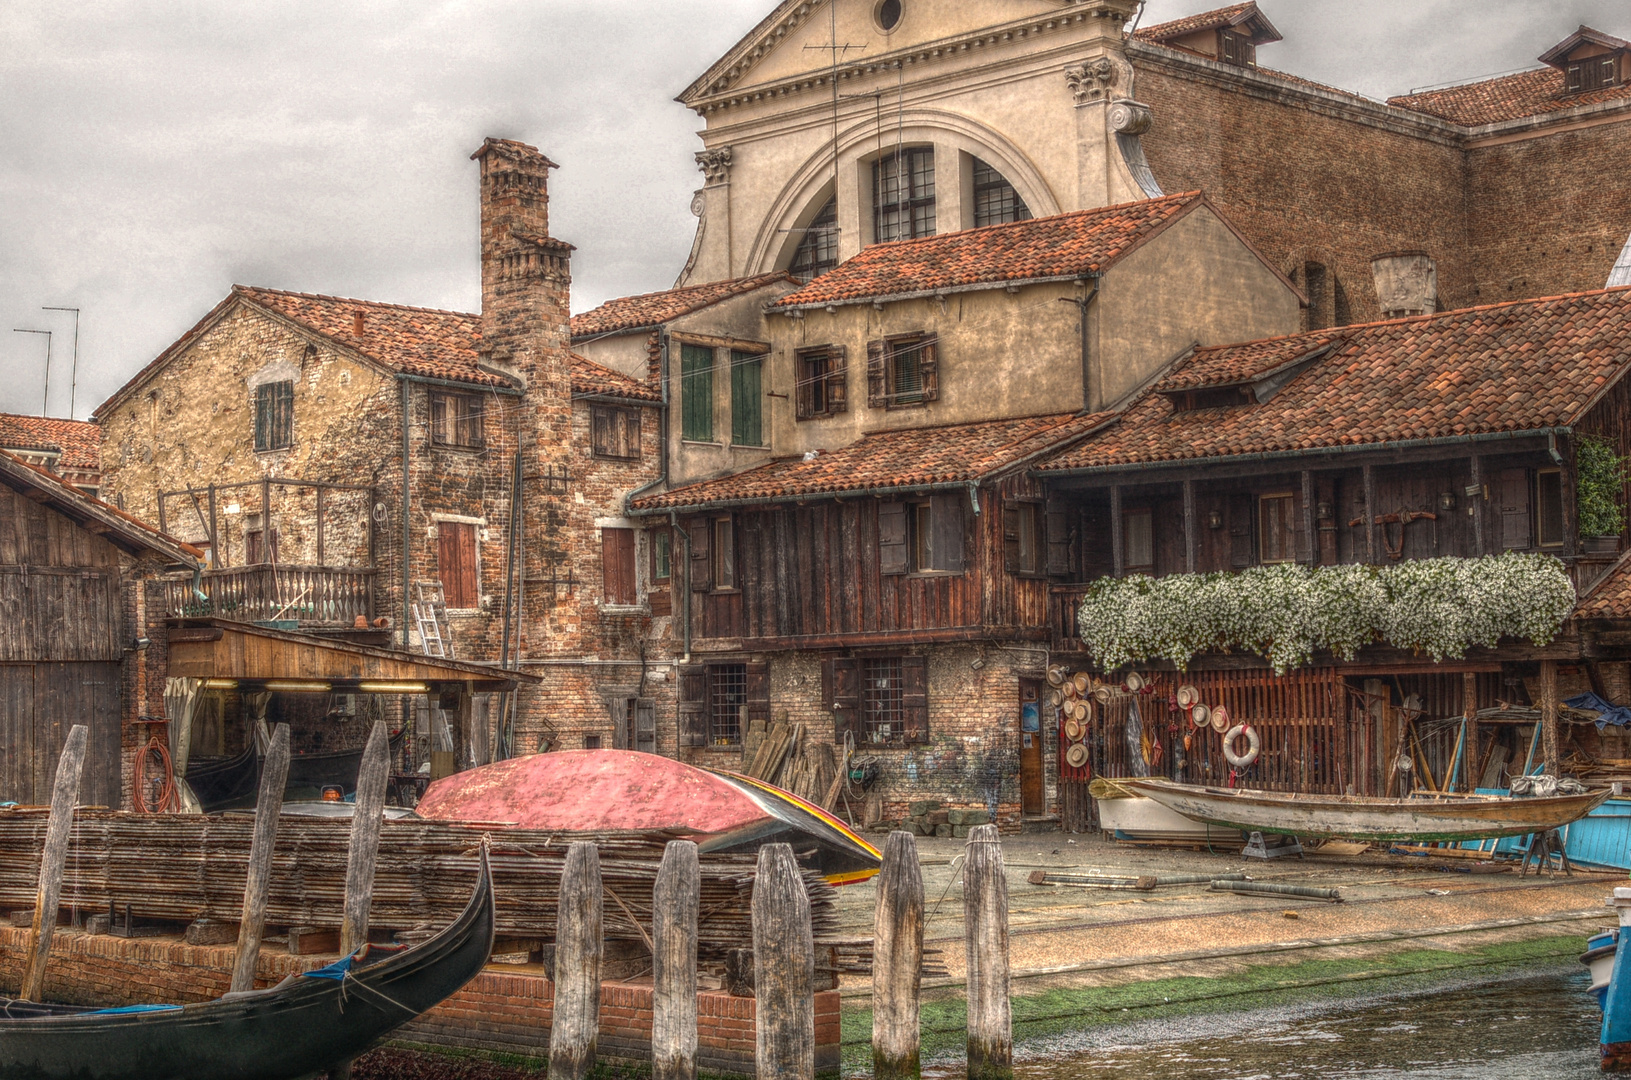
[(168, 800)]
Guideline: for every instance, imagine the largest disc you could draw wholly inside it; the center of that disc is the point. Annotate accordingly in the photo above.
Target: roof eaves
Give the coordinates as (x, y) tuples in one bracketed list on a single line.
[(73, 502), (1552, 57), (930, 294)]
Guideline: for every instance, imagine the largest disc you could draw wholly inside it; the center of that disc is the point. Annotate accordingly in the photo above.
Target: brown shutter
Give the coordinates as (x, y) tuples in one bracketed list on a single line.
[(440, 428), (617, 565), (456, 564), (620, 718), (946, 545), (914, 677), (1242, 508), (1516, 531), (1058, 539), (928, 366), (701, 566), (1573, 78), (892, 548), (841, 685), (837, 379), (877, 395), (758, 692), (1010, 536), (693, 705), (804, 393), (643, 734)]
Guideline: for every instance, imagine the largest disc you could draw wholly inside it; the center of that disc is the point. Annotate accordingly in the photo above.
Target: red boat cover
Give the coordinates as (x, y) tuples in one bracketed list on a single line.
[(591, 791)]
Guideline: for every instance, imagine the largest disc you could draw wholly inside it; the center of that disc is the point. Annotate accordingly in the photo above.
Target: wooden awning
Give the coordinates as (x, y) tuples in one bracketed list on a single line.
[(223, 649)]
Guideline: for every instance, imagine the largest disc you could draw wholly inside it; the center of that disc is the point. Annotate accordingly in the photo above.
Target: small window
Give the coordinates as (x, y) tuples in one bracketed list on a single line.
[(724, 554), (1549, 506), (727, 700), (1594, 73), (747, 399), (617, 566), (903, 372), (822, 375), (818, 251), (903, 195), (995, 200), (1276, 531), (455, 420), (661, 555), (697, 393), (1236, 49), (889, 15), (456, 564), (591, 742), (1138, 532), (883, 701), (615, 433), (937, 535), (1021, 538), (259, 547), (274, 416)]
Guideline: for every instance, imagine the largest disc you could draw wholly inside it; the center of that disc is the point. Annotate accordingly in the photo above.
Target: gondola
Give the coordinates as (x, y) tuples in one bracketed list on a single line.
[(299, 1028), (231, 783)]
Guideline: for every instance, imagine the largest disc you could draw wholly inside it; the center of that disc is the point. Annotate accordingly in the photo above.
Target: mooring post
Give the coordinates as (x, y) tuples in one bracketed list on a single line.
[(985, 933), (897, 961), (58, 831), (575, 1025), (675, 902), (268, 805), (365, 829), (783, 969), (1548, 717)]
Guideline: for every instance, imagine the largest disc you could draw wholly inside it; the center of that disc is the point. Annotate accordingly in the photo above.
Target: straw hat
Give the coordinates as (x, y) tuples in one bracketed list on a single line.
[(1220, 719), (1134, 682), (1188, 697), (1056, 698), (1076, 756), (1080, 711), (1056, 675), (1073, 730), (1082, 682), (1199, 715), (1101, 694)]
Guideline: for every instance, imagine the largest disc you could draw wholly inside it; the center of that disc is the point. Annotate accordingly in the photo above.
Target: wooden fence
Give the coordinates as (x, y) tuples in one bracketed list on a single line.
[(312, 595)]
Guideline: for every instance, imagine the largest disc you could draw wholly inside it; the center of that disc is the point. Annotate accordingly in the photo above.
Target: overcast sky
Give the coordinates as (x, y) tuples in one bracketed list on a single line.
[(154, 152)]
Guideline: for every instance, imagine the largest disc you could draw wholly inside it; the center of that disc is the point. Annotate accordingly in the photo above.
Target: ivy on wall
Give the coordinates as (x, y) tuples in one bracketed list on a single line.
[(1285, 613), (1599, 486)]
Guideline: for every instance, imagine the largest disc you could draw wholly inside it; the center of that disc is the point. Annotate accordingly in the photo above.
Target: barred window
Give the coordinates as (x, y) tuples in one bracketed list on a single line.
[(274, 415), (995, 200), (903, 195), (883, 701), (727, 697), (818, 251)]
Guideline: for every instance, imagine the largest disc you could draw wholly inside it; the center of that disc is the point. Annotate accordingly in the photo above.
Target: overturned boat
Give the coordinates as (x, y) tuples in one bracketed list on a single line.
[(1356, 817), (298, 1028), (594, 791)]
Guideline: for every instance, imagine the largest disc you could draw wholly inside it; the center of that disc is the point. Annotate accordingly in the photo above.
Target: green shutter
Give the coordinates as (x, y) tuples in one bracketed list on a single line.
[(697, 393), (747, 424)]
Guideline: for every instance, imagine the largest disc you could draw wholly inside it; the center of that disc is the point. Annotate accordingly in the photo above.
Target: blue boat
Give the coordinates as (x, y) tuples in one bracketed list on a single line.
[(1616, 997)]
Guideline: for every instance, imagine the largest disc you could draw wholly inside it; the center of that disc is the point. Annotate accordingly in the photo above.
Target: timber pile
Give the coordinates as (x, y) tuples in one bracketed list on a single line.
[(789, 758), (187, 867)]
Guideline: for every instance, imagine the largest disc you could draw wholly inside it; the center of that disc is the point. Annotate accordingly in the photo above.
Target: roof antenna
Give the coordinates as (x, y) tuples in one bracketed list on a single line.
[(45, 403), (73, 379), (837, 50)]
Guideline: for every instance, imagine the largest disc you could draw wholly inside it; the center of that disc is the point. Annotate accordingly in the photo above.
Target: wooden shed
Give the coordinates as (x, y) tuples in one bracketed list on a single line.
[(70, 568)]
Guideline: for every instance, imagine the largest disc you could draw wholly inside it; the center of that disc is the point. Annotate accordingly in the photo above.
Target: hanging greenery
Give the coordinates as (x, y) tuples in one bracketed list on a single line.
[(1600, 487), (1285, 613)]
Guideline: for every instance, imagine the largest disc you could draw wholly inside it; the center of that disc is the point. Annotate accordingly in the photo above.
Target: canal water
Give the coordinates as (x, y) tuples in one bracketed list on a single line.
[(1542, 1026)]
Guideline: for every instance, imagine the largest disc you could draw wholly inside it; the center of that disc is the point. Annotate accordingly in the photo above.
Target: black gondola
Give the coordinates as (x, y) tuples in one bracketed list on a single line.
[(299, 1028), (232, 783)]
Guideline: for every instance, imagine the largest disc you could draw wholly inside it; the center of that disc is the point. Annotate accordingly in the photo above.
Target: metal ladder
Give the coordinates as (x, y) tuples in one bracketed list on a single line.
[(430, 615)]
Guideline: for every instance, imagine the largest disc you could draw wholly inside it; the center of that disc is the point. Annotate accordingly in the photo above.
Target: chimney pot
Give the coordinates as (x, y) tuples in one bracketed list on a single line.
[(356, 323)]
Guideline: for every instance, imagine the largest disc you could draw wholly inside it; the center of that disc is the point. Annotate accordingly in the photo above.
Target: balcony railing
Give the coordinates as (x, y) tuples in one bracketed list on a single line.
[(310, 595), (1063, 600)]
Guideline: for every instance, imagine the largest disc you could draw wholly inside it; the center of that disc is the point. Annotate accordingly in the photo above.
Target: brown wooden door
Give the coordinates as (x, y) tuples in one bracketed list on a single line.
[(39, 704), (1031, 792)]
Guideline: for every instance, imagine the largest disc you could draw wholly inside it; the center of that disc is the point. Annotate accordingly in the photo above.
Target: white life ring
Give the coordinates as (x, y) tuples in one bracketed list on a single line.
[(1253, 743)]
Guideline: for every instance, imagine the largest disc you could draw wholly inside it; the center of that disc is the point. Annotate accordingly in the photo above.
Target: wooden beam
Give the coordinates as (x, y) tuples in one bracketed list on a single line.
[(579, 947), (897, 964), (1191, 533), (1548, 717), (675, 901), (1370, 513), (1475, 504), (985, 937), (1568, 470), (783, 969), (1310, 537), (54, 855), (1118, 542), (274, 775), (1469, 709), (364, 851)]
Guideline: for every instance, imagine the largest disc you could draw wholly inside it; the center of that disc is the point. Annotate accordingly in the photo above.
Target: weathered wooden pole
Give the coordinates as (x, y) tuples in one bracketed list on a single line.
[(1548, 717), (985, 934), (783, 969), (365, 827), (58, 831), (675, 903), (1469, 709), (897, 961), (268, 805), (575, 1026)]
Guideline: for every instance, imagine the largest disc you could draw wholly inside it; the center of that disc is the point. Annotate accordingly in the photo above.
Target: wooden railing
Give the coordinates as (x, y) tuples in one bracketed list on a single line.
[(311, 595), (1063, 600)]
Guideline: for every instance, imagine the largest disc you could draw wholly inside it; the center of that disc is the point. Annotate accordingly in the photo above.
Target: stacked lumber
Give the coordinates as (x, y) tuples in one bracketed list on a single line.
[(790, 758)]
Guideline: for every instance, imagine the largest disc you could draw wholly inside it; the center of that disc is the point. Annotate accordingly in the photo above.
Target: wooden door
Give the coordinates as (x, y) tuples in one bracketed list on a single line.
[(39, 704), (1031, 792)]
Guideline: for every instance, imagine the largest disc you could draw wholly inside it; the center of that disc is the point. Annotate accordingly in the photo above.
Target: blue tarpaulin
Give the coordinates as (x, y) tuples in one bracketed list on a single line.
[(133, 1009), (1607, 714), (335, 971)]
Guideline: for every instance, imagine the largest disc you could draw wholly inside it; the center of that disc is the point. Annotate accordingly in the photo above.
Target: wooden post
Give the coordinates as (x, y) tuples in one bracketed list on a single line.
[(215, 539), (1310, 537), (674, 903), (268, 552), (1568, 474), (1118, 541), (578, 950), (1548, 717), (783, 969), (268, 805), (897, 961), (365, 829), (1475, 503), (985, 935), (1469, 709), (58, 831), (1191, 536), (1369, 474), (320, 490)]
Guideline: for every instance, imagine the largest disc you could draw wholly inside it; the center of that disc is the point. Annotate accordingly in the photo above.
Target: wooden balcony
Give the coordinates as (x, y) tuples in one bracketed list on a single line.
[(318, 596), (1063, 600)]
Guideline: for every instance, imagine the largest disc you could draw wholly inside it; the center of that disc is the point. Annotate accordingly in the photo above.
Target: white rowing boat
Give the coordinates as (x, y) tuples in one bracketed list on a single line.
[(1357, 817)]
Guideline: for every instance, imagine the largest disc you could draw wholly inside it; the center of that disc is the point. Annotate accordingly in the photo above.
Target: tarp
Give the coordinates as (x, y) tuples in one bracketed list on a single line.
[(1607, 714)]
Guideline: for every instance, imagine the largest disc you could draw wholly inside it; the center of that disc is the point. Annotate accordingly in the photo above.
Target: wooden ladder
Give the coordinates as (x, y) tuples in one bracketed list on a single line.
[(430, 615)]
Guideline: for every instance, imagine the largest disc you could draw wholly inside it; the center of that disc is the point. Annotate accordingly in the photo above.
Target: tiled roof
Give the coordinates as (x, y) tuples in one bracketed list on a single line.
[(1206, 20), (78, 441), (1521, 366), (115, 523), (1058, 247), (1610, 598), (913, 458), (589, 377), (1510, 97), (652, 309)]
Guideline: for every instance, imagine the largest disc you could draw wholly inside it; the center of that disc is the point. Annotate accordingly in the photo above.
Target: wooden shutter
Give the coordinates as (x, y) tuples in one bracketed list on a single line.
[(837, 379), (693, 705), (617, 566), (1010, 536), (644, 728), (877, 390), (1242, 509), (758, 692), (804, 394), (914, 678), (456, 563), (620, 721), (928, 367), (701, 565), (1516, 532), (441, 427), (892, 549), (1057, 526), (1574, 78), (841, 687), (747, 399), (946, 545)]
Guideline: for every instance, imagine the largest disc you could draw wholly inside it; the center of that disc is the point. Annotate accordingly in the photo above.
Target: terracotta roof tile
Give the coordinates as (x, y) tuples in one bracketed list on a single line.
[(1521, 366), (1510, 97), (910, 458), (589, 377), (78, 441), (1060, 246), (651, 309), (1190, 24), (1610, 598)]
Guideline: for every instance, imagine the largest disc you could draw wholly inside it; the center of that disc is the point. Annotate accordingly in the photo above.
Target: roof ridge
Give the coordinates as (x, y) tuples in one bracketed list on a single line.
[(251, 289), (1062, 417), (897, 245), (724, 283)]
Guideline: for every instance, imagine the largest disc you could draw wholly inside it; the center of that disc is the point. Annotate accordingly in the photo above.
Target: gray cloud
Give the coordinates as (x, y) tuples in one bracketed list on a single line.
[(152, 152)]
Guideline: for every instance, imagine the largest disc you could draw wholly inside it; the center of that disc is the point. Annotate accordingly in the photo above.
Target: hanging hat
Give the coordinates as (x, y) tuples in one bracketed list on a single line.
[(1082, 681), (1199, 715), (1134, 682), (1056, 675), (1220, 719), (1080, 712), (1076, 756), (1073, 730), (1188, 696), (1056, 698), (1102, 694)]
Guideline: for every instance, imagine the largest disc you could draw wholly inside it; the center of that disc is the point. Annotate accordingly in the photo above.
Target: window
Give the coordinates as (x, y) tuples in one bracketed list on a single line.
[(747, 398), (661, 555), (727, 698), (697, 393), (1276, 530), (995, 200), (1513, 495), (903, 371), (1236, 49), (883, 710), (1591, 74), (903, 195), (615, 433), (716, 701), (1549, 507), (822, 375), (617, 566), (591, 742), (878, 700), (724, 554), (1138, 539), (274, 415), (818, 251), (1021, 538), (888, 15), (455, 420), (456, 564), (257, 550), (930, 533)]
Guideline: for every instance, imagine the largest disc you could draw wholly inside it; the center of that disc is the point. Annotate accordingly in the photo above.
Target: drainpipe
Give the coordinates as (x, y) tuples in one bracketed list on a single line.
[(1082, 303), (407, 506), (662, 428), (685, 620)]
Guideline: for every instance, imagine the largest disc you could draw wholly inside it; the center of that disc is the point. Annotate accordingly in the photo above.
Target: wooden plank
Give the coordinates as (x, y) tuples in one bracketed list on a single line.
[(676, 899), (783, 969), (53, 857), (269, 804), (897, 963), (364, 849), (575, 1025), (985, 935)]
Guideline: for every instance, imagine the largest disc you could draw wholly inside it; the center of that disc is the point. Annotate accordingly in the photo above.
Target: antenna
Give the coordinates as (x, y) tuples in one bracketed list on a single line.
[(836, 50), (73, 379), (47, 333)]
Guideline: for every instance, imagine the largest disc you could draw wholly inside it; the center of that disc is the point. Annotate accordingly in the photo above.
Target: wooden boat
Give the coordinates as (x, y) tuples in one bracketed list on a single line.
[(231, 783), (298, 1028), (1355, 817)]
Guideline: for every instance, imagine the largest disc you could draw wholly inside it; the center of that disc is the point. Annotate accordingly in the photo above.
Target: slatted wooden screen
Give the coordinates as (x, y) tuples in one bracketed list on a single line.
[(456, 564)]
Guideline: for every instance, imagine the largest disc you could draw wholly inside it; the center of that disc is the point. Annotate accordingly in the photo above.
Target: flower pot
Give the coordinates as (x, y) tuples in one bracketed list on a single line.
[(1601, 545)]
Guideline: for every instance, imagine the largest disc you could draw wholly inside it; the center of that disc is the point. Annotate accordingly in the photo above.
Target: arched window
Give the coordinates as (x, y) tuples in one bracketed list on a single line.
[(818, 251), (903, 194), (995, 200)]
